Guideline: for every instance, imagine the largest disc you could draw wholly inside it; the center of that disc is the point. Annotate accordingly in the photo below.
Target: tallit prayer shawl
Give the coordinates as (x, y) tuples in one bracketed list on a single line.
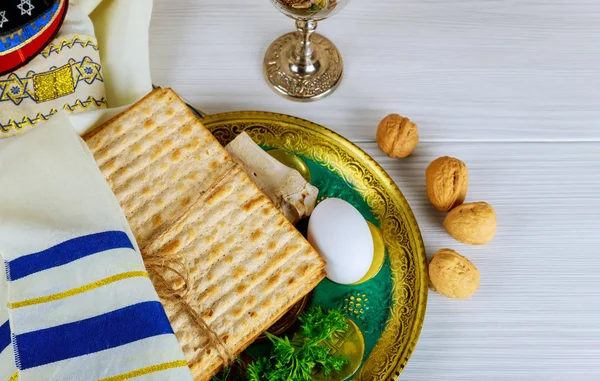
[(80, 304)]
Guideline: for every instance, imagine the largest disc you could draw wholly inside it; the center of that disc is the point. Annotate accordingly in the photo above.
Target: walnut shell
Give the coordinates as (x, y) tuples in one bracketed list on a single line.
[(397, 136), (453, 275), (473, 223), (447, 181)]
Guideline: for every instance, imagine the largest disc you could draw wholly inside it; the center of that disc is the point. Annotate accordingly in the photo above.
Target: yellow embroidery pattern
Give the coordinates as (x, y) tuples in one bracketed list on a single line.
[(79, 105), (57, 47), (14, 377), (78, 290), (85, 70), (29, 122), (147, 370), (15, 89), (53, 84)]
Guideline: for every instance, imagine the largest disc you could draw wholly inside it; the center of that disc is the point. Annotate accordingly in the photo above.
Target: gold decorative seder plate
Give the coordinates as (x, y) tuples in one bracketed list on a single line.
[(389, 308)]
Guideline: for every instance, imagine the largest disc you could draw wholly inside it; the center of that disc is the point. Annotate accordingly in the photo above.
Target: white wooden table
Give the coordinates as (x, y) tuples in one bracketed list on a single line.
[(511, 87)]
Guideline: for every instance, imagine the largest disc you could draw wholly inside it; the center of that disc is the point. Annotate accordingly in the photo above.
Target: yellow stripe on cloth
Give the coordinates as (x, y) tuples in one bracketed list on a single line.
[(78, 290), (147, 370), (14, 377)]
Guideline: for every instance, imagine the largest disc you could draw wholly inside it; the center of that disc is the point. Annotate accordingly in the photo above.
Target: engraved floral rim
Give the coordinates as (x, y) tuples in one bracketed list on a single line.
[(393, 363)]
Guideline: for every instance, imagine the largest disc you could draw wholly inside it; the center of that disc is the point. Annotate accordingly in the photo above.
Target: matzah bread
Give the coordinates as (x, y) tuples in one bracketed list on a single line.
[(246, 277), (158, 159), (186, 198)]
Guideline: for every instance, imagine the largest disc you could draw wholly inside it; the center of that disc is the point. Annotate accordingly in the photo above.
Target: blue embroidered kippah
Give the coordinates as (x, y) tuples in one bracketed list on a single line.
[(26, 26)]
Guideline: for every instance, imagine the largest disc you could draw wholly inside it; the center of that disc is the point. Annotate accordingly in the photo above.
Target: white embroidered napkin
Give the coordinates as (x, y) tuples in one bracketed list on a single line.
[(98, 63), (65, 75), (81, 305)]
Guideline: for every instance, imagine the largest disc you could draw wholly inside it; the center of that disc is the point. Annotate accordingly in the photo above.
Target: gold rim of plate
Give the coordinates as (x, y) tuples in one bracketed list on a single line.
[(398, 225)]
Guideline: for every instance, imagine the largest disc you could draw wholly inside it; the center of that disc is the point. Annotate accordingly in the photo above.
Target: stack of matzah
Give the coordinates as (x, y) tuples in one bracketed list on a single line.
[(185, 198)]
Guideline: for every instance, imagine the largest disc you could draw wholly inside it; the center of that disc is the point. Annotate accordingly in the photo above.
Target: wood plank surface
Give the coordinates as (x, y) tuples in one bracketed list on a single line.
[(465, 70), (536, 315)]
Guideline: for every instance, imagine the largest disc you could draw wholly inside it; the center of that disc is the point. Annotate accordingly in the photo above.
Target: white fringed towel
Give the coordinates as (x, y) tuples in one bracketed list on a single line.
[(81, 305)]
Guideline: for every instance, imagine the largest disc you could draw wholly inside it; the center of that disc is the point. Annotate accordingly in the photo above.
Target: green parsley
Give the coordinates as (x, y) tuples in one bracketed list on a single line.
[(307, 352), (297, 359)]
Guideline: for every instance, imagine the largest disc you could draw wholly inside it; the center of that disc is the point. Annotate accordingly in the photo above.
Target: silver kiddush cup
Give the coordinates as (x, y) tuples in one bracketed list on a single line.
[(304, 65)]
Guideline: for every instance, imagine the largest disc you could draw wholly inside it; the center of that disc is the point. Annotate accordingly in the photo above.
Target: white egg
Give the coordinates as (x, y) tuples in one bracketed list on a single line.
[(341, 235)]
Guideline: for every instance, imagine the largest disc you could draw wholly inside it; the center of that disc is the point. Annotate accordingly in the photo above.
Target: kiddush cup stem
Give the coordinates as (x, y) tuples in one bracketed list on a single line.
[(303, 59), (306, 28)]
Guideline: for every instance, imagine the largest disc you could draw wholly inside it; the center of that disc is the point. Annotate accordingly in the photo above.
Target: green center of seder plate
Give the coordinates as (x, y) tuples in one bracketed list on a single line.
[(367, 304)]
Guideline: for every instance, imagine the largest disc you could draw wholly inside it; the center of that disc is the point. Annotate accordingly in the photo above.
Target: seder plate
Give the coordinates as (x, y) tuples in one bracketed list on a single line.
[(389, 308)]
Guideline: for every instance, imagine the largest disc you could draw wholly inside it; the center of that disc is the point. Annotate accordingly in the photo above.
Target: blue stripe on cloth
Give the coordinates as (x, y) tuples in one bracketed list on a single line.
[(92, 335), (66, 252), (4, 336)]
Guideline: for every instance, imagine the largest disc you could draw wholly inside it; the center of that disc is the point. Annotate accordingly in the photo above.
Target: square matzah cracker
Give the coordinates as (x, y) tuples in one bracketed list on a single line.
[(185, 198), (158, 158), (248, 265)]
